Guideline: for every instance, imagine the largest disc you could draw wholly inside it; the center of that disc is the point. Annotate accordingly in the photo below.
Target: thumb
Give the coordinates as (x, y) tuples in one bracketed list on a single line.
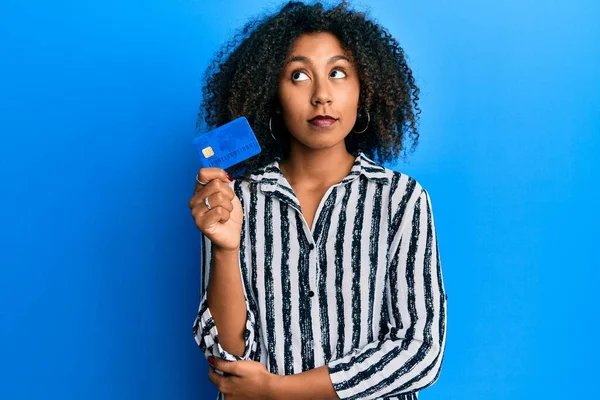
[(229, 367)]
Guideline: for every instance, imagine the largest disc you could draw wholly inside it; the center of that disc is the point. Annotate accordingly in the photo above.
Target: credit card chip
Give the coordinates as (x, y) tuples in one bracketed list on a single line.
[(208, 152)]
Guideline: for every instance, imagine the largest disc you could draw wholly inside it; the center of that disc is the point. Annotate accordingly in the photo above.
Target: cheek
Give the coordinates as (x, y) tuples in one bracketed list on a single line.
[(349, 102), (353, 94), (293, 107), (290, 107), (288, 101)]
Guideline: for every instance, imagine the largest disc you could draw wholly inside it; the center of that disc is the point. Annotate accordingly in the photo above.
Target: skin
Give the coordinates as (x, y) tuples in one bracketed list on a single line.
[(318, 79), (222, 224)]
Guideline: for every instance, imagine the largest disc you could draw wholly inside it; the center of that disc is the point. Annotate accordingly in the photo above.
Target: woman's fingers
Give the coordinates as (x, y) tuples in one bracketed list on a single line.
[(214, 377), (206, 202), (207, 175), (206, 218), (215, 186)]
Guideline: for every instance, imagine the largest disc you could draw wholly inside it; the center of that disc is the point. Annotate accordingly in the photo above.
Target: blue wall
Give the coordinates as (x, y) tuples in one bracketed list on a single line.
[(99, 256)]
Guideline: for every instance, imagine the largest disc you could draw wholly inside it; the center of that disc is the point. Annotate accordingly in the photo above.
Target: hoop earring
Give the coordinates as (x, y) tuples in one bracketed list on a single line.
[(271, 130), (368, 121)]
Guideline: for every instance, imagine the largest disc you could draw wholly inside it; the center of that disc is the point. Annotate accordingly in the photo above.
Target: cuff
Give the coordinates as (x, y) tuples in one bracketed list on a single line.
[(339, 375), (207, 335)]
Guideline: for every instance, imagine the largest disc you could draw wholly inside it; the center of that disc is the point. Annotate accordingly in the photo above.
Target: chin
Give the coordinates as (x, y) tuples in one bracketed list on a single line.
[(320, 140), (323, 144)]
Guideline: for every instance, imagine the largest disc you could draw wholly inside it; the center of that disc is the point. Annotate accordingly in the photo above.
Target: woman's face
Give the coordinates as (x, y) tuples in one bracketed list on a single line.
[(318, 92)]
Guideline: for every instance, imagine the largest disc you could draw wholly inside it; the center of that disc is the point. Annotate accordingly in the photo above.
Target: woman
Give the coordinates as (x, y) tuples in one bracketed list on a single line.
[(321, 271)]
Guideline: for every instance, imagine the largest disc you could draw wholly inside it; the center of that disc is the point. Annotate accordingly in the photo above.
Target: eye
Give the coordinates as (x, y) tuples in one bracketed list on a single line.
[(340, 74), (299, 76)]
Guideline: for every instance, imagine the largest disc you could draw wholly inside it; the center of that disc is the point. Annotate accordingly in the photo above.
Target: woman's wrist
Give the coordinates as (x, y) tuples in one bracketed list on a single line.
[(274, 387), (225, 252), (314, 384)]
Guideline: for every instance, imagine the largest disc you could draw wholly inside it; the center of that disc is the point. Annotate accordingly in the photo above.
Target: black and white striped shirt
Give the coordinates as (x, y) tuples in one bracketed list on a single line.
[(362, 292)]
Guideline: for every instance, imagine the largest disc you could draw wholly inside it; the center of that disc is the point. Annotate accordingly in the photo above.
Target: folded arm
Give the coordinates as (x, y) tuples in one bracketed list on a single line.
[(408, 357)]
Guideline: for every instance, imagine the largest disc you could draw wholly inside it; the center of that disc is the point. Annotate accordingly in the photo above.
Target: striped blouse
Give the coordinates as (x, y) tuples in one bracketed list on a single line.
[(361, 292)]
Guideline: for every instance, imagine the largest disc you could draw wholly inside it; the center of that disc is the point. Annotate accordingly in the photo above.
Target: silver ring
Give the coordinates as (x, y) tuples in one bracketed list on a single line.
[(199, 182), (207, 204)]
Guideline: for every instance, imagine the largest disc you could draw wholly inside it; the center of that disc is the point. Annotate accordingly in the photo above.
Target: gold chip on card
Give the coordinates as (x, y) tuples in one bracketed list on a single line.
[(208, 152)]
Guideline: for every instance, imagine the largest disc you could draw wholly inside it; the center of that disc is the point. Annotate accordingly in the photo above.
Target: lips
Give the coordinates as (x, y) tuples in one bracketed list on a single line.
[(323, 120)]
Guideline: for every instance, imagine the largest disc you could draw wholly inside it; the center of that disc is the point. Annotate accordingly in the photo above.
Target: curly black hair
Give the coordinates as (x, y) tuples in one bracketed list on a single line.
[(242, 80)]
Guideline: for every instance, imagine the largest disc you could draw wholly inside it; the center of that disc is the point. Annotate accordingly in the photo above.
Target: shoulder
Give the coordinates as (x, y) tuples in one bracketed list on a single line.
[(402, 182), (405, 191), (402, 190), (399, 184), (408, 199)]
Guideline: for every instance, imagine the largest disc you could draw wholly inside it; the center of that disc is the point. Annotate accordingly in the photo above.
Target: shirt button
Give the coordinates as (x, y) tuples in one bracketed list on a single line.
[(311, 293), (311, 246)]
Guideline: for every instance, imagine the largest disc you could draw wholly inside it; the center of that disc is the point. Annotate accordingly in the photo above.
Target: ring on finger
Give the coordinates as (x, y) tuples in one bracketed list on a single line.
[(207, 204), (199, 182)]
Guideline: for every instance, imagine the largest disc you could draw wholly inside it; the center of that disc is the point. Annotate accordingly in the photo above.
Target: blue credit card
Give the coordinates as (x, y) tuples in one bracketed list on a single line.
[(227, 145)]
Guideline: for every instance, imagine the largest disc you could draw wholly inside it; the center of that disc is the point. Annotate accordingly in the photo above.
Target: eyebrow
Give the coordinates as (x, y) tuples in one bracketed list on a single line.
[(307, 60)]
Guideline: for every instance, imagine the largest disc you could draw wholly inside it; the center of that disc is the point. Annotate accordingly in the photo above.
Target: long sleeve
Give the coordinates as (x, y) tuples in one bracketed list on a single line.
[(204, 328), (409, 353)]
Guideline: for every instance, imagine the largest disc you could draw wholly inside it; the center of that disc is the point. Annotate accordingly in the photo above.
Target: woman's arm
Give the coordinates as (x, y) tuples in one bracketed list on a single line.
[(226, 328), (409, 356), (251, 380), (225, 297), (312, 384)]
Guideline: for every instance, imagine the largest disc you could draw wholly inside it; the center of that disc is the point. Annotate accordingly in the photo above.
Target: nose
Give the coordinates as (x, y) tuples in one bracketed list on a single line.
[(322, 93)]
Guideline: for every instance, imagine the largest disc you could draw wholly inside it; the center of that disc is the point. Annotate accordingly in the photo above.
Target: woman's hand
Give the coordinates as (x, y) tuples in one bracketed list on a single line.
[(244, 380), (222, 222)]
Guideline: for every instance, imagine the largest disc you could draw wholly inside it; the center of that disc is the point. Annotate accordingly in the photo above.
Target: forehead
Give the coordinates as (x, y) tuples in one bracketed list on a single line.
[(321, 45)]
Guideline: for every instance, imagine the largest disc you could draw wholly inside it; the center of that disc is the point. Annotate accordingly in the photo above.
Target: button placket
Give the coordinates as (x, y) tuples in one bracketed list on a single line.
[(313, 269)]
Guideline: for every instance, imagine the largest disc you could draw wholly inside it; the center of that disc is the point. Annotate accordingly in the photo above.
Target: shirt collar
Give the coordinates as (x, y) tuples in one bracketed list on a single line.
[(369, 169), (271, 178)]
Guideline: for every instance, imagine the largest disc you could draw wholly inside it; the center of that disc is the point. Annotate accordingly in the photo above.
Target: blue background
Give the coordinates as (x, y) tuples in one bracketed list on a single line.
[(99, 257)]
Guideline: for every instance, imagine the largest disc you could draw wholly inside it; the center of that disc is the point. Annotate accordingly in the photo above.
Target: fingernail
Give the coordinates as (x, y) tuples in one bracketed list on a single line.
[(230, 177), (211, 361)]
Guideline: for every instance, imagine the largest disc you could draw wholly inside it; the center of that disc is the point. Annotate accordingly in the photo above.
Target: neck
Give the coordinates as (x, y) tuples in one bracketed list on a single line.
[(322, 167)]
